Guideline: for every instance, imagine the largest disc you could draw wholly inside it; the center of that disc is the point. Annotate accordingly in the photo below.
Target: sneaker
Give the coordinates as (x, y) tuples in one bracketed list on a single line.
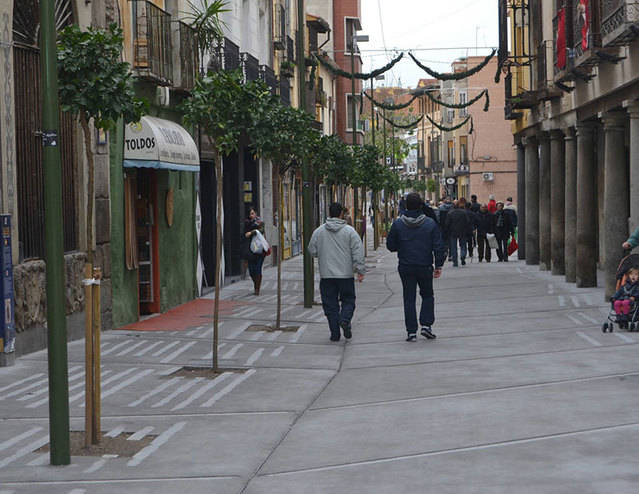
[(463, 262), (334, 337), (428, 333), (412, 337), (346, 328)]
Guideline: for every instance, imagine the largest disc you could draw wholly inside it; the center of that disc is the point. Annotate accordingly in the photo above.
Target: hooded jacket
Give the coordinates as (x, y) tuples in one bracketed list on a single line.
[(511, 211), (338, 248), (417, 240)]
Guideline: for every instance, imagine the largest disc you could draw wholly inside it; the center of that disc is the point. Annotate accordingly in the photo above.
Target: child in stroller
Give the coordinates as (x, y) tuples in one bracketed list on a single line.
[(624, 310)]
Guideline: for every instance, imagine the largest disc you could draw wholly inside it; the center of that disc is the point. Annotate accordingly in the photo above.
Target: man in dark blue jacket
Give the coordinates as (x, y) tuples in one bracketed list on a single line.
[(417, 241)]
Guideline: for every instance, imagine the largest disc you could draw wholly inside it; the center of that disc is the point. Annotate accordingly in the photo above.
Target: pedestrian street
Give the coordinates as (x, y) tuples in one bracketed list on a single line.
[(520, 392)]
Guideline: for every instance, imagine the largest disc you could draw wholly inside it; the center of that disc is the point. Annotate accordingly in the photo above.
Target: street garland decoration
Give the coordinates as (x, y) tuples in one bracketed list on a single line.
[(421, 92), (453, 76), (460, 105), (450, 129), (401, 126), (360, 75)]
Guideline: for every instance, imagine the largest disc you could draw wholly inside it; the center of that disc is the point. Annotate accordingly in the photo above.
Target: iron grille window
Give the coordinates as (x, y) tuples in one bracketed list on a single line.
[(290, 49), (279, 41), (188, 56), (152, 42), (30, 194), (250, 67)]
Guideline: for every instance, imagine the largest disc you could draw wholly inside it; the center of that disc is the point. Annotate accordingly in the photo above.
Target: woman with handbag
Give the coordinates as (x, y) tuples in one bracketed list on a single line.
[(254, 255)]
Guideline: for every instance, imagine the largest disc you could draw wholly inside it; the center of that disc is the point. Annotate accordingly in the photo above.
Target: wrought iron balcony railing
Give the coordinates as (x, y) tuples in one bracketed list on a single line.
[(189, 60), (267, 74), (586, 24), (250, 67), (619, 22), (152, 42), (225, 57)]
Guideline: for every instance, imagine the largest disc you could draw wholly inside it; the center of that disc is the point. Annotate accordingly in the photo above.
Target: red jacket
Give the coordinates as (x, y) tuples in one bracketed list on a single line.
[(492, 206)]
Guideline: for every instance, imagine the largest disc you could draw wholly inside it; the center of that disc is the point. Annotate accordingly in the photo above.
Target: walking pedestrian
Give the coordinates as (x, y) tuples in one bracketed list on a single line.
[(503, 231), (492, 205), (417, 241), (485, 225), (511, 211), (340, 253), (474, 205), (252, 224), (457, 224), (470, 232)]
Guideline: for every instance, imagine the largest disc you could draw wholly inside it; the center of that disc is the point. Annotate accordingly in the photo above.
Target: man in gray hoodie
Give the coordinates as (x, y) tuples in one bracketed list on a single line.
[(340, 253)]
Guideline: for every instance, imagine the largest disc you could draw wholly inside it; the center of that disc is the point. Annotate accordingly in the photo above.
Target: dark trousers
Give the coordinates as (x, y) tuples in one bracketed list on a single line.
[(413, 276), (502, 247), (470, 242), (338, 301), (255, 268), (483, 249), (452, 253)]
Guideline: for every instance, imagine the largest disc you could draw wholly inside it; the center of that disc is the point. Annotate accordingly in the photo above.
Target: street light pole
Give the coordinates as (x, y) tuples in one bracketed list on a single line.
[(354, 125), (307, 184), (52, 171)]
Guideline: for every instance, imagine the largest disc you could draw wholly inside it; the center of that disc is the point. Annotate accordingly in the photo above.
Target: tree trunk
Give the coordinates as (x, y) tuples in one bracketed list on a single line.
[(90, 186), (218, 257), (280, 226)]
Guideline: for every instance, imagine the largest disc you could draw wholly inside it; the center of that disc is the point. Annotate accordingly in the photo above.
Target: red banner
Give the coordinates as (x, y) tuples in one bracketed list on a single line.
[(584, 17), (561, 38)]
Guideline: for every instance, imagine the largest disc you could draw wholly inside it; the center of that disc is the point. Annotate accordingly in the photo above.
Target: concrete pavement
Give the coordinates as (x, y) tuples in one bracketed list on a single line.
[(520, 392)]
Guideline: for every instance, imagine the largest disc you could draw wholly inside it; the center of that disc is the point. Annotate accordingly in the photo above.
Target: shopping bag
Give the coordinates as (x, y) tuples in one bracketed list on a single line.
[(512, 246), (259, 244), (492, 241)]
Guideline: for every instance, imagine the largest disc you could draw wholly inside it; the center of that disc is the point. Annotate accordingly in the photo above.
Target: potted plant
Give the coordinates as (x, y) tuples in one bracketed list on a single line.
[(287, 69)]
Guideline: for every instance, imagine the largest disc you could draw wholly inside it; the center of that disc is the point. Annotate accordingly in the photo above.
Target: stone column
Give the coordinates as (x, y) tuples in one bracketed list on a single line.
[(557, 202), (570, 250), (544, 201), (586, 270), (633, 111), (616, 196), (532, 200), (521, 201)]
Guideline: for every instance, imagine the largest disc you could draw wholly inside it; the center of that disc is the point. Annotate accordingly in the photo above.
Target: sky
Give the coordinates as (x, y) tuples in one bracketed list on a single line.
[(425, 26)]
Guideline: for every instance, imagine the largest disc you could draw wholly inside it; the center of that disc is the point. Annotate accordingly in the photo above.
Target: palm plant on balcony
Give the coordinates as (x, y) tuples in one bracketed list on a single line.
[(205, 21)]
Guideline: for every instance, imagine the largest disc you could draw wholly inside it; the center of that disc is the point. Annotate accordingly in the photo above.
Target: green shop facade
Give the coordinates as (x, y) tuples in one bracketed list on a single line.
[(154, 250)]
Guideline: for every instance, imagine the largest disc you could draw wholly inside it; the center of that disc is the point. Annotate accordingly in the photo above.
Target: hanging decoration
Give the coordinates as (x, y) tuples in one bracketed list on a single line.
[(402, 126), (390, 107), (358, 75), (450, 129), (454, 76), (460, 105)]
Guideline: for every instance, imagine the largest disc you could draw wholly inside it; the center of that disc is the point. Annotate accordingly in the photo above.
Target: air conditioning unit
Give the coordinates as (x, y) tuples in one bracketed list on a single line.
[(488, 176), (162, 96)]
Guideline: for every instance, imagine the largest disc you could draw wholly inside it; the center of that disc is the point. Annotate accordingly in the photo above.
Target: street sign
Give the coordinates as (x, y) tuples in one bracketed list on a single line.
[(451, 181)]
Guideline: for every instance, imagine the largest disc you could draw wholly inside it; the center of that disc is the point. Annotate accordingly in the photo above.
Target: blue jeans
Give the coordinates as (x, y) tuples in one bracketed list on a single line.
[(338, 301), (411, 277), (453, 241)]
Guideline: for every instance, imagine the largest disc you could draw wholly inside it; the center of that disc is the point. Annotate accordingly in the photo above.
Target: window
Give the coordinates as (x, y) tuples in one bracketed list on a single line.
[(463, 150), (451, 153), (463, 99), (450, 115), (349, 32), (349, 112)]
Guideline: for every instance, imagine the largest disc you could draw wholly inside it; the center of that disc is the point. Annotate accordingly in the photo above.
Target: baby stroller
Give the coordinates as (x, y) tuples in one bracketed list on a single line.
[(631, 320)]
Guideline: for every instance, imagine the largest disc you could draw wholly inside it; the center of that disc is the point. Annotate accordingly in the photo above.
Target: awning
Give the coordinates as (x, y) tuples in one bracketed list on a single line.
[(157, 143)]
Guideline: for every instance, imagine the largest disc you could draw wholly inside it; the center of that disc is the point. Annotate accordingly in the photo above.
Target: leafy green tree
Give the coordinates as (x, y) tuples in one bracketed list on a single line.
[(95, 85), (285, 136), (223, 107)]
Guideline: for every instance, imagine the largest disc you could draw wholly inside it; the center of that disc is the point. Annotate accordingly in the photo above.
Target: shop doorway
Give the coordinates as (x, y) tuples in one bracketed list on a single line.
[(146, 234)]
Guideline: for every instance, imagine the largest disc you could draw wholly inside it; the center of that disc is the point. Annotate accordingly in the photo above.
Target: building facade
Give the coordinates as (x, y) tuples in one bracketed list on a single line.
[(571, 70)]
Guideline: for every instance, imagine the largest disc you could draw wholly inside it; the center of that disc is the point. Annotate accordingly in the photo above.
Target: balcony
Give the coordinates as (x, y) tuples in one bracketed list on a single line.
[(462, 169), (285, 91), (587, 34), (152, 43), (188, 57), (437, 166), (250, 67), (268, 76), (225, 57), (619, 22)]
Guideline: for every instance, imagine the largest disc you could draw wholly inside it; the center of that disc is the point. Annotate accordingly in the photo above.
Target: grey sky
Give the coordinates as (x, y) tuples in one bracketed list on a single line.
[(420, 24)]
